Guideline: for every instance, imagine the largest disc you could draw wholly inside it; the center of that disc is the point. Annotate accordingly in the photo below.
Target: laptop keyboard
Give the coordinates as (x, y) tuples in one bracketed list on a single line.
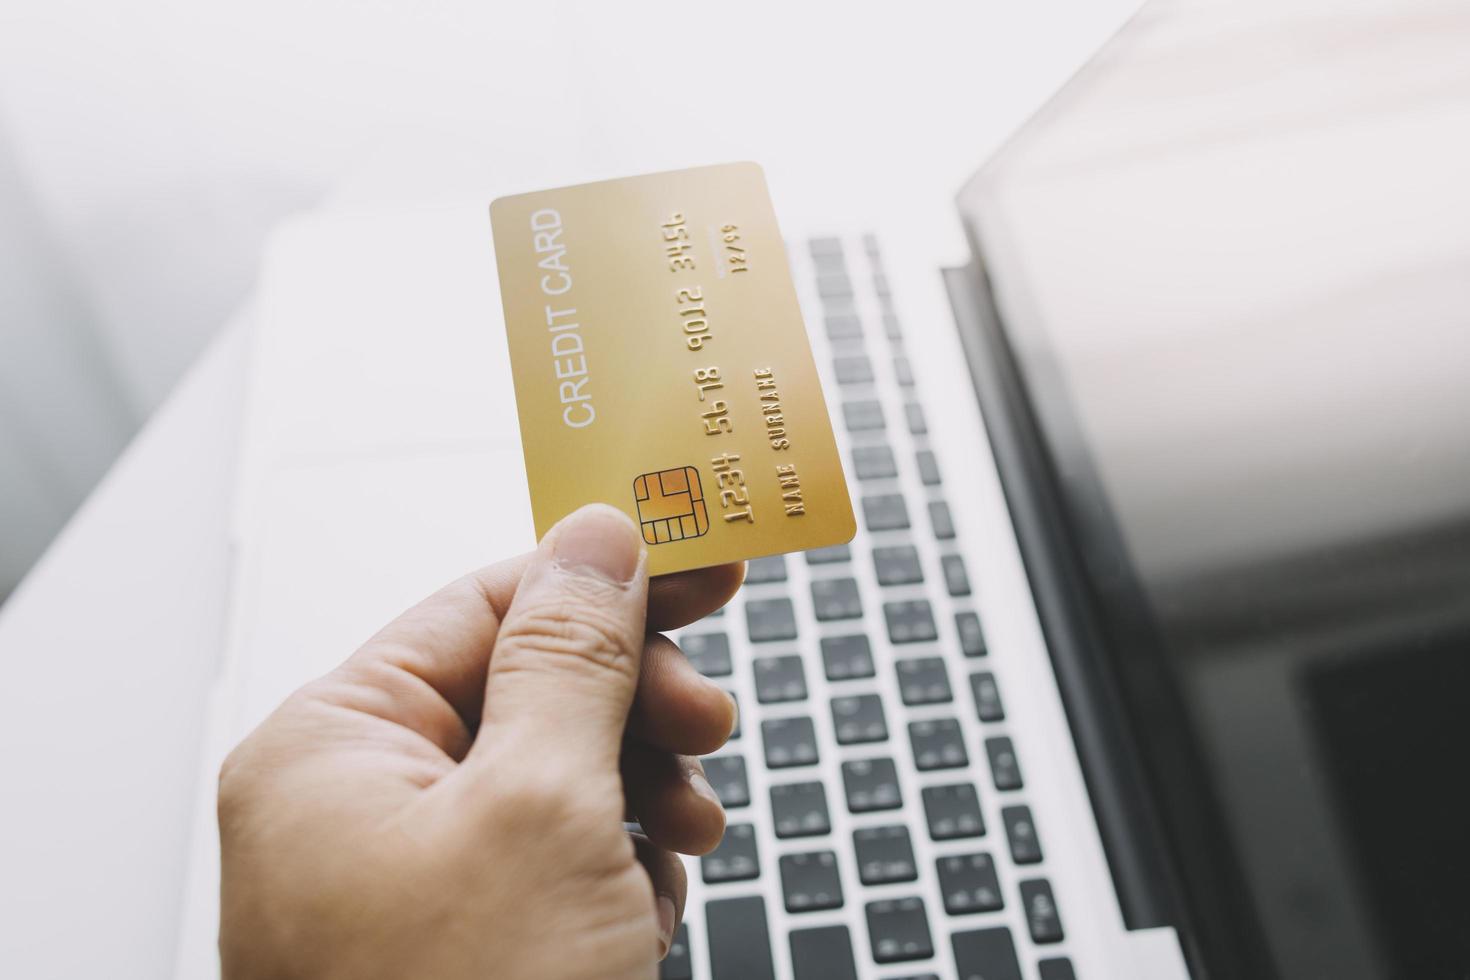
[(878, 821)]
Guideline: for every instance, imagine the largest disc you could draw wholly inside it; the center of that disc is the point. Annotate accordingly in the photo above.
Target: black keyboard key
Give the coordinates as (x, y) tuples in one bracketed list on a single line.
[(922, 680), (789, 742), (829, 555), (1041, 911), (1005, 768), (956, 579), (1021, 834), (891, 329), (833, 285), (858, 719), (1042, 918), (969, 884), (938, 744), (779, 679), (824, 953), (1057, 968), (903, 371), (897, 565), (846, 657), (739, 939), (953, 811), (835, 300), (910, 621), (873, 462), (678, 964), (759, 571), (884, 855), (987, 697), (940, 520), (853, 369), (708, 652), (917, 976), (735, 859), (800, 810), (871, 784), (972, 637), (836, 598), (985, 954), (770, 619), (928, 468), (843, 326), (826, 248), (862, 416), (914, 415), (726, 773), (885, 512), (898, 930), (810, 882)]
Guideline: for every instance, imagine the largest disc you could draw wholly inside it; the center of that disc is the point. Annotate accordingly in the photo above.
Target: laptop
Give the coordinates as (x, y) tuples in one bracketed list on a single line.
[(1137, 647)]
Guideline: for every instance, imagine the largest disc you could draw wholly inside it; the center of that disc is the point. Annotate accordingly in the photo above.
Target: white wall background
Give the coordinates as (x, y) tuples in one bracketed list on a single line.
[(147, 148), (63, 414)]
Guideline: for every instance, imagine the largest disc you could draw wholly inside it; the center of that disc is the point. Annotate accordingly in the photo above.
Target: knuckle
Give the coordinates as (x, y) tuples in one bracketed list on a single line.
[(234, 786), (229, 778), (539, 800), (573, 631), (253, 764), (536, 796)]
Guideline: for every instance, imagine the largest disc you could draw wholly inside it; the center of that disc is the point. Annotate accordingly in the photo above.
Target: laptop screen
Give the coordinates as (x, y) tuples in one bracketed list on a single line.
[(1233, 278)]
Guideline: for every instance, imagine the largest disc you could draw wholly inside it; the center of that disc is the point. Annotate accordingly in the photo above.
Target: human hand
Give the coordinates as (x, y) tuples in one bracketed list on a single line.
[(449, 802)]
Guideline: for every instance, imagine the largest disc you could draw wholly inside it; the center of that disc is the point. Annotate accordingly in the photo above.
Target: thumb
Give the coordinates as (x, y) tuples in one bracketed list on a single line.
[(565, 664)]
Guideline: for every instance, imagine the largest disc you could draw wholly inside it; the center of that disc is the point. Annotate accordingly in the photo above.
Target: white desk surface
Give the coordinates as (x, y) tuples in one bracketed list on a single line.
[(108, 649), (110, 646)]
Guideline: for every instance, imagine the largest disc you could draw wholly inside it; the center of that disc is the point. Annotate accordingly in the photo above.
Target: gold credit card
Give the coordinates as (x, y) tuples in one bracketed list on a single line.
[(662, 366)]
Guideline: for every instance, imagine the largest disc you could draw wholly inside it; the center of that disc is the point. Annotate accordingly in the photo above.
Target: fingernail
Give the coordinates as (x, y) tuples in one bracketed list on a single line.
[(701, 786), (665, 925), (598, 540), (734, 715)]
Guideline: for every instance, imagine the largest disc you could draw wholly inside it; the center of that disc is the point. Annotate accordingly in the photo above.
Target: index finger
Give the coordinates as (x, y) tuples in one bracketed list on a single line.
[(445, 640), (673, 600), (679, 599)]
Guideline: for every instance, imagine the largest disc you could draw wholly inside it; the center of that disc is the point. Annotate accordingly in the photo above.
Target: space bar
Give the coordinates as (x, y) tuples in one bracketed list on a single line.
[(739, 942)]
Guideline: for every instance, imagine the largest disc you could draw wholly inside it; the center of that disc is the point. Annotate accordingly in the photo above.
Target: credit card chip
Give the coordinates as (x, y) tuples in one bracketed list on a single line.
[(671, 505)]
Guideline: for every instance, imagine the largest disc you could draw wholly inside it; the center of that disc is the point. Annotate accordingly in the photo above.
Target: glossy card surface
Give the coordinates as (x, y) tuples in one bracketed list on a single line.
[(662, 366)]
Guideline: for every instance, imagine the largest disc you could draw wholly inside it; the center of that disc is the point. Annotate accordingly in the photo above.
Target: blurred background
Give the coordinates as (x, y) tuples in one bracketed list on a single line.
[(147, 149)]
